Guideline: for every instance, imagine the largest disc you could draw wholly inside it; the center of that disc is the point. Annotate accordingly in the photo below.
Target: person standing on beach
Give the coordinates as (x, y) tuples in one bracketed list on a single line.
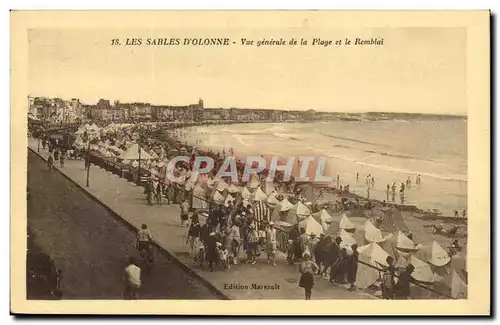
[(338, 181), (373, 181), (368, 192), (357, 177), (352, 267), (307, 268), (194, 233), (184, 212), (388, 190)]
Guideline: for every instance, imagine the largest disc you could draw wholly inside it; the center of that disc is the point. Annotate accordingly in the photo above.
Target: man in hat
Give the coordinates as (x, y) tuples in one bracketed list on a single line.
[(211, 249), (313, 242), (303, 242), (335, 257), (271, 243)]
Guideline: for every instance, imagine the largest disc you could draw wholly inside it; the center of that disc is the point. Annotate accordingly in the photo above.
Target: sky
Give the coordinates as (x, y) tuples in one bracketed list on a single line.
[(418, 70)]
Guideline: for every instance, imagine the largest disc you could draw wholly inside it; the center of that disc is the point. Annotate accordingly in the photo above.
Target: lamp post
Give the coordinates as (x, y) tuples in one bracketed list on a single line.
[(87, 162)]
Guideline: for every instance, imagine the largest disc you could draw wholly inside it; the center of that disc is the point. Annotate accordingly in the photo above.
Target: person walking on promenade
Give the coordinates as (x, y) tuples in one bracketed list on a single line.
[(194, 233), (388, 278), (307, 269), (144, 238), (50, 162), (271, 243), (402, 289), (253, 245), (61, 159), (335, 257), (149, 191), (319, 251), (211, 249), (235, 242), (170, 193), (352, 268), (184, 213), (303, 242), (132, 280)]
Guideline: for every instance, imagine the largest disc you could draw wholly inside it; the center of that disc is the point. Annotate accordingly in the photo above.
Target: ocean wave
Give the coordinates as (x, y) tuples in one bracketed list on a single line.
[(286, 136), (446, 177), (353, 140), (396, 155)]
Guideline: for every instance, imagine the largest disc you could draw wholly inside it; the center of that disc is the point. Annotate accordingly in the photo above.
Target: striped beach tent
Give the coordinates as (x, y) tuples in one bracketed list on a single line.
[(233, 189), (261, 211)]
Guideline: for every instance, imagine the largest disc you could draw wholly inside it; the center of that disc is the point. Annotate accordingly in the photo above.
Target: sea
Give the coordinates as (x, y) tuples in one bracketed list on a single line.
[(391, 151)]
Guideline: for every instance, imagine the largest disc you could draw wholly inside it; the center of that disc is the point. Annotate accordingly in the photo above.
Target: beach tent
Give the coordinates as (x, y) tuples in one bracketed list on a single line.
[(422, 272), (218, 198), (221, 185), (375, 252), (259, 195), (372, 234), (401, 242), (199, 201), (369, 254), (434, 254), (272, 200), (233, 189), (346, 224), (347, 238), (261, 211), (390, 220), (300, 211), (254, 181), (229, 198), (459, 264), (311, 226), (132, 153), (366, 275), (452, 285), (269, 187), (284, 205), (245, 193), (324, 216)]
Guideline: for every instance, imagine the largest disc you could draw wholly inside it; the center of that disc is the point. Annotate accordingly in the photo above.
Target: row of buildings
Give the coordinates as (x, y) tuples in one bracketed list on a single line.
[(58, 110)]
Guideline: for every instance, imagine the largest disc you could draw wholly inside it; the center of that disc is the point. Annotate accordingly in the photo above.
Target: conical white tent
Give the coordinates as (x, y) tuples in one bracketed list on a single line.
[(311, 226), (269, 187), (229, 198), (345, 223), (272, 200), (218, 198), (300, 211), (324, 216), (245, 193), (233, 189), (259, 195), (400, 241), (372, 234), (221, 185), (284, 205), (435, 254), (375, 252), (452, 285), (254, 182), (198, 198), (370, 254), (132, 153), (347, 239), (422, 272)]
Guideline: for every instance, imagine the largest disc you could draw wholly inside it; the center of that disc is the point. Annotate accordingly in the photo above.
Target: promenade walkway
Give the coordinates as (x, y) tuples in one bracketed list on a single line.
[(128, 201)]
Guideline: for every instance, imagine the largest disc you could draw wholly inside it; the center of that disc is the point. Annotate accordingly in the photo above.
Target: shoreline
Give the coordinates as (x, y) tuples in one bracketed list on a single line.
[(422, 214)]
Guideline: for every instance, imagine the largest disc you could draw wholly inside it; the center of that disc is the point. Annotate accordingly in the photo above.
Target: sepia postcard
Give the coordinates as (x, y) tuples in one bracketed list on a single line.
[(244, 162)]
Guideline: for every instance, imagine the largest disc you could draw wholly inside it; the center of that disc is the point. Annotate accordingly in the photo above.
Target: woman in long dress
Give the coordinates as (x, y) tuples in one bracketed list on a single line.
[(307, 268)]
